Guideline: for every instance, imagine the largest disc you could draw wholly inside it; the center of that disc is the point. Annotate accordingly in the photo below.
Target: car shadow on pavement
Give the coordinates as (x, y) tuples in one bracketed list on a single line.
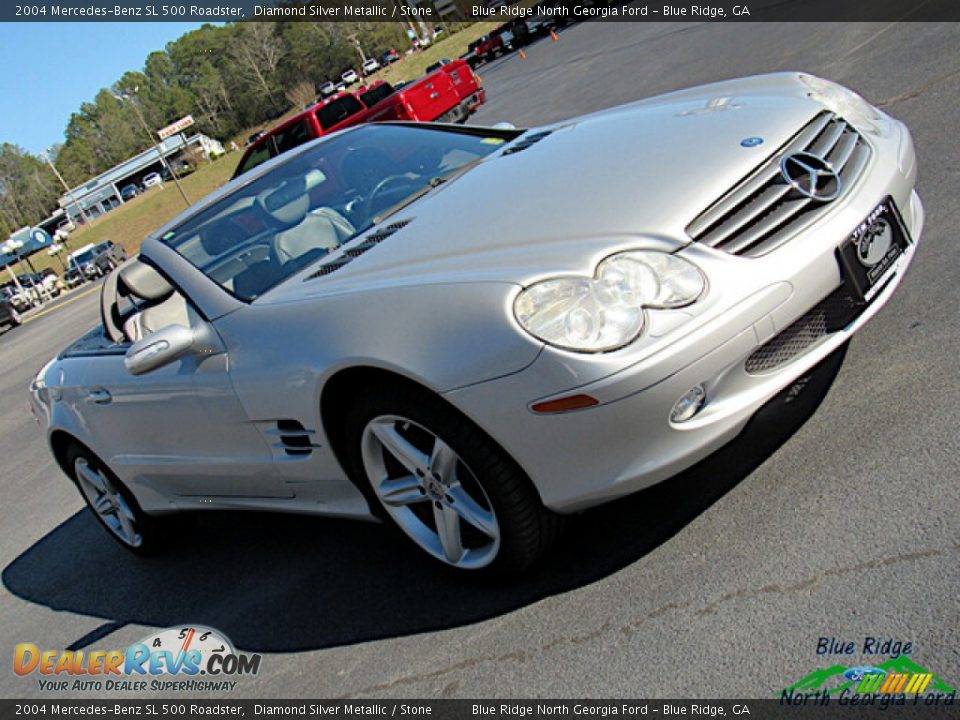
[(282, 583)]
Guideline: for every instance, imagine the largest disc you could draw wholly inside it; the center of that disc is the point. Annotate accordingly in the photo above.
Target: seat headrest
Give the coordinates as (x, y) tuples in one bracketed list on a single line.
[(221, 237), (287, 204), (144, 281)]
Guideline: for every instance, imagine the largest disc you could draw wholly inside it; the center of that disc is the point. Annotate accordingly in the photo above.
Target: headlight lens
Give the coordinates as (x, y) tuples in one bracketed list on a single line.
[(845, 103), (605, 312)]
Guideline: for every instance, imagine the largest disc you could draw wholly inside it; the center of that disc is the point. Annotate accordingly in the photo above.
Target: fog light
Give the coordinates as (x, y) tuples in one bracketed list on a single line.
[(689, 404)]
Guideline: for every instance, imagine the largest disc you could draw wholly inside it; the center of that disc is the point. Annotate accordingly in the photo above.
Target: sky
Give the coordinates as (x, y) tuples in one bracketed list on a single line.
[(49, 69)]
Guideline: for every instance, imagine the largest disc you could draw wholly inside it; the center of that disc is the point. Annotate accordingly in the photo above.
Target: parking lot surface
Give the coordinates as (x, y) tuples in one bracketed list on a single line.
[(835, 517)]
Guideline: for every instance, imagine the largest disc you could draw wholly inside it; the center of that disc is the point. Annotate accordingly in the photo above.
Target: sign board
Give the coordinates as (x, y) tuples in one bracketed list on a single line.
[(175, 127)]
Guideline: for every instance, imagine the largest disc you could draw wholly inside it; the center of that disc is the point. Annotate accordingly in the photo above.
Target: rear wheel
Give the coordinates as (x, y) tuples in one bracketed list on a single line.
[(451, 489), (112, 504)]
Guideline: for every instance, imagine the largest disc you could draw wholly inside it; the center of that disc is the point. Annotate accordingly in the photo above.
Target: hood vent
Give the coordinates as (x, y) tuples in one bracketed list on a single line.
[(370, 241), (526, 141), (293, 438)]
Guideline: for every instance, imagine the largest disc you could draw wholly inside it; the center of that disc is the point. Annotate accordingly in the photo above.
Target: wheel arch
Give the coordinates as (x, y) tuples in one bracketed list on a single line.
[(60, 442), (335, 397)]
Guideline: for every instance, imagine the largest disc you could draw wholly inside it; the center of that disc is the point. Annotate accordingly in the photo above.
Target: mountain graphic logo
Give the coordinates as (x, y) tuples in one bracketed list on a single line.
[(896, 675)]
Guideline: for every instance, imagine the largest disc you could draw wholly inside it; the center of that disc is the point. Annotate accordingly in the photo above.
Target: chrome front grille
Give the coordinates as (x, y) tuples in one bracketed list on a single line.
[(764, 211)]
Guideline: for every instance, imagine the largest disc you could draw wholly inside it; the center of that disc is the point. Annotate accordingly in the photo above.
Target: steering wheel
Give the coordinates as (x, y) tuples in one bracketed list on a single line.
[(381, 188)]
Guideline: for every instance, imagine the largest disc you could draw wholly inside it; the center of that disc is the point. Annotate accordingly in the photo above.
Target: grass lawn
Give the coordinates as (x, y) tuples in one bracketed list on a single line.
[(447, 46)]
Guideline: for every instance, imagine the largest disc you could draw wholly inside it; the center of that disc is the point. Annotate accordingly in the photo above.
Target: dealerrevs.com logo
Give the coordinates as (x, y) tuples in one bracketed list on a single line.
[(184, 658)]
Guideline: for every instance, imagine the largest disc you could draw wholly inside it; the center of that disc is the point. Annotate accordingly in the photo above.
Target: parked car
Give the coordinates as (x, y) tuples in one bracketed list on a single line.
[(152, 180), (129, 192), (389, 56), (9, 315), (370, 66), (95, 261), (349, 77), (108, 255), (45, 281), (324, 89), (254, 137), (32, 289), (511, 368), (448, 95), (73, 277), (486, 48)]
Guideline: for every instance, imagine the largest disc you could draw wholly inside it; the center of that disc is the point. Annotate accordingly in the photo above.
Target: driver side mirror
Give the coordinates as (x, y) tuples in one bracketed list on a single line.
[(168, 344)]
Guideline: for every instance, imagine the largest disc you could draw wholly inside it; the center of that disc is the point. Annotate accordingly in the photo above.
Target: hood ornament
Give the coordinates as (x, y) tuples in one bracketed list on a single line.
[(811, 175)]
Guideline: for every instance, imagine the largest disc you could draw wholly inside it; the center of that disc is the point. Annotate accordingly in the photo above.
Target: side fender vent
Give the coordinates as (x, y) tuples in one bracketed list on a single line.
[(526, 141), (370, 241), (293, 438)]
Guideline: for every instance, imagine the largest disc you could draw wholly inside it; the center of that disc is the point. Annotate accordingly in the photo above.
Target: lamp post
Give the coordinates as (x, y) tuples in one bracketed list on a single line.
[(54, 251), (66, 187), (125, 97)]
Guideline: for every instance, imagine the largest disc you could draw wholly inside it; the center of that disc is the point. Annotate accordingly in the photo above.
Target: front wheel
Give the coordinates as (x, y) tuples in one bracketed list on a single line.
[(447, 485), (112, 504), (15, 319)]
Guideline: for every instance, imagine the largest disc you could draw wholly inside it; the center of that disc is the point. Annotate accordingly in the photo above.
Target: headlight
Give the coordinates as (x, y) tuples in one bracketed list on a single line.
[(605, 312), (845, 103)]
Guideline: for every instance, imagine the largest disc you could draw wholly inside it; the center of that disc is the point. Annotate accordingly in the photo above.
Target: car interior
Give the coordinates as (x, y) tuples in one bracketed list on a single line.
[(136, 300)]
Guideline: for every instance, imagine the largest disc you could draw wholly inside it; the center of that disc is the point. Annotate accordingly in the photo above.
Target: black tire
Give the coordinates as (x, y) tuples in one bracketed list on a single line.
[(15, 319), (527, 528), (147, 527)]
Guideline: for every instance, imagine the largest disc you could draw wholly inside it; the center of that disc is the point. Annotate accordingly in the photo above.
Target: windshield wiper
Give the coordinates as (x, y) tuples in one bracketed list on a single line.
[(432, 183)]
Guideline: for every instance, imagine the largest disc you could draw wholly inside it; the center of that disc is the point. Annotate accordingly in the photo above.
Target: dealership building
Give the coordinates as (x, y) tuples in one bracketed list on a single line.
[(102, 193)]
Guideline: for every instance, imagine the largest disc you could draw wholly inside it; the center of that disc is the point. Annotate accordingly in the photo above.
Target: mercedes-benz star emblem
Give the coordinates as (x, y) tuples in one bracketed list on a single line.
[(811, 176)]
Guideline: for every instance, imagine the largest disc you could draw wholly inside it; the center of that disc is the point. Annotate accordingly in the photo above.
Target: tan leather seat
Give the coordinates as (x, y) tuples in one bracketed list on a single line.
[(320, 229), (165, 306)]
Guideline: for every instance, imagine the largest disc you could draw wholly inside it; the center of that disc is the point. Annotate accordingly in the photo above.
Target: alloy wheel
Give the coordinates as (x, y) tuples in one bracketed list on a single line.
[(107, 502), (430, 492)]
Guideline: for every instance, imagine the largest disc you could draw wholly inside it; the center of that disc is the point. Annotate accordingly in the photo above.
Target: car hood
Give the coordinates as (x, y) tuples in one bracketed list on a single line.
[(631, 177)]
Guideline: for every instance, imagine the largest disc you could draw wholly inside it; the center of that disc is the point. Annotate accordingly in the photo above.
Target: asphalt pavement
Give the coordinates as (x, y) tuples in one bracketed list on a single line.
[(834, 517)]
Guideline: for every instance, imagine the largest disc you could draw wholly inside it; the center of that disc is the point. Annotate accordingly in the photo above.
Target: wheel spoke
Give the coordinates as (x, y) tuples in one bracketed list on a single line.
[(91, 477), (448, 530), (472, 513), (104, 505), (125, 516), (400, 448), (401, 491), (443, 462)]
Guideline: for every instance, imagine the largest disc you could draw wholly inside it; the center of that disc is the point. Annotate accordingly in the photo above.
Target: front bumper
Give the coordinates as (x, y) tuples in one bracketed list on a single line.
[(627, 442)]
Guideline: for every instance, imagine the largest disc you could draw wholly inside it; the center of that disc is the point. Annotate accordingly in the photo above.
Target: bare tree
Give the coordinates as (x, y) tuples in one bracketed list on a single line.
[(301, 95), (258, 52)]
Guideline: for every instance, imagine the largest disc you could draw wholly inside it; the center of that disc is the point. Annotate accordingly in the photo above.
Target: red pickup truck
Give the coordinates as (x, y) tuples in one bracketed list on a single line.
[(448, 95)]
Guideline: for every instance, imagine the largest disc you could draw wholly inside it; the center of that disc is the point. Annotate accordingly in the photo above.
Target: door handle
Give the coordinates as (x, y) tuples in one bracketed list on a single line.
[(99, 397)]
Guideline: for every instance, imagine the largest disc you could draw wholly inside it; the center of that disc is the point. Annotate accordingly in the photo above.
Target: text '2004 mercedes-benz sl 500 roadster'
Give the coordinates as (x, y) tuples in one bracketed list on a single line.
[(472, 332)]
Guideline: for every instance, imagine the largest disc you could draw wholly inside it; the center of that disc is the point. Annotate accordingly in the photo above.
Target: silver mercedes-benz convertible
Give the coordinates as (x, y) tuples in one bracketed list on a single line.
[(471, 331)]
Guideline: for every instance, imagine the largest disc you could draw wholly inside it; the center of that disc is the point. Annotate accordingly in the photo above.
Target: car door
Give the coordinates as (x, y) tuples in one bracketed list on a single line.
[(179, 428)]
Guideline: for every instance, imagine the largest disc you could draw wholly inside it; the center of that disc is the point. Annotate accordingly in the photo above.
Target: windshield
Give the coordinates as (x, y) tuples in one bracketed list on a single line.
[(84, 257), (267, 230)]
